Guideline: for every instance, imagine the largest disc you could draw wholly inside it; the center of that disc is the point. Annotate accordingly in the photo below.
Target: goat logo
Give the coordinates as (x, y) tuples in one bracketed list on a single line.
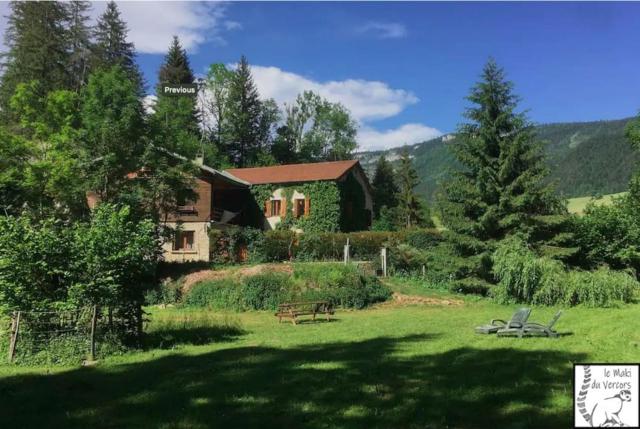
[(603, 396)]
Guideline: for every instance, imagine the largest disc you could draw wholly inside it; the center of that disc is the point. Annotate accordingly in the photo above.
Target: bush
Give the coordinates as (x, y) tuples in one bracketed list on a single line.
[(222, 294), (609, 235), (470, 286), (265, 291), (600, 288), (167, 292), (227, 245), (341, 285), (525, 278), (521, 273), (276, 246)]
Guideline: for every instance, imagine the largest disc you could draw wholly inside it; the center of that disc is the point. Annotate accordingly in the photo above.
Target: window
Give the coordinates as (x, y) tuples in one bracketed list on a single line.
[(299, 205), (275, 207), (184, 240)]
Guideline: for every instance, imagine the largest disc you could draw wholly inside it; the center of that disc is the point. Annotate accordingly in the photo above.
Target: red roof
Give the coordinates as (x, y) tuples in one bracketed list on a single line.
[(291, 173)]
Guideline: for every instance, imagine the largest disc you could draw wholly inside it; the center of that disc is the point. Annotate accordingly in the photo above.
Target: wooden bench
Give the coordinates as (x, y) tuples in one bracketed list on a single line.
[(293, 310)]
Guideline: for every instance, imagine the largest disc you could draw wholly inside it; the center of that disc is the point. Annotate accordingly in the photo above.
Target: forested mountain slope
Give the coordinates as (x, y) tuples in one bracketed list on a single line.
[(585, 158)]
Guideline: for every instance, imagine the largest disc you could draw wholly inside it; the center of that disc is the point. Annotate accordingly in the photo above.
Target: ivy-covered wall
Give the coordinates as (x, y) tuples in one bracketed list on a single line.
[(353, 214), (334, 206), (324, 214)]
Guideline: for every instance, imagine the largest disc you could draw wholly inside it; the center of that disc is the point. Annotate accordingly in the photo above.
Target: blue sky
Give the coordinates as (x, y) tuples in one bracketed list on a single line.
[(405, 68)]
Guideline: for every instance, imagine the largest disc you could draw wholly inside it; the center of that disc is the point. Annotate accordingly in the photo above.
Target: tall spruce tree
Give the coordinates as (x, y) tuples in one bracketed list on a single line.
[(37, 49), (502, 188), (79, 42), (244, 117), (409, 205), (385, 188), (111, 47), (175, 120)]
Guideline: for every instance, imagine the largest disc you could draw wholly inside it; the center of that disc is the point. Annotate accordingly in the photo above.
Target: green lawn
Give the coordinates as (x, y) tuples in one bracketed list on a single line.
[(390, 367), (577, 205)]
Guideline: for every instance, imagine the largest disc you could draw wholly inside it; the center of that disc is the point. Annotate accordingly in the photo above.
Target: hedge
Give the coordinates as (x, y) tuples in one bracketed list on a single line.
[(284, 245), (342, 285)]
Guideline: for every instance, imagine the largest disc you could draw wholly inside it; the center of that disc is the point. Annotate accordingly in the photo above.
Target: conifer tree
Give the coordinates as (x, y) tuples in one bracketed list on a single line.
[(409, 204), (79, 42), (502, 188), (111, 47), (385, 189), (175, 119), (37, 48), (245, 109)]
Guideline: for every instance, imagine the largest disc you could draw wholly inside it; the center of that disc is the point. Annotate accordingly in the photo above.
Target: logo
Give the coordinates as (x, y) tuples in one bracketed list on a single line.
[(179, 89), (605, 395)]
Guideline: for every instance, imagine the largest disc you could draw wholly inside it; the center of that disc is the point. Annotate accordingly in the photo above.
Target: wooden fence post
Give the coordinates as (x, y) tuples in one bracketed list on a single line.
[(383, 257), (346, 252), (94, 316), (15, 329)]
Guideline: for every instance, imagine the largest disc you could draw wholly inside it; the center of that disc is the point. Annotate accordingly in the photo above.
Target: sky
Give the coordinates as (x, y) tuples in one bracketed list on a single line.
[(404, 69)]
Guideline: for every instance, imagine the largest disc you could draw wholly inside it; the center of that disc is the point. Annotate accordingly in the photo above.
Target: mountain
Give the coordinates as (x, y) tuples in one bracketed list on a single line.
[(585, 158)]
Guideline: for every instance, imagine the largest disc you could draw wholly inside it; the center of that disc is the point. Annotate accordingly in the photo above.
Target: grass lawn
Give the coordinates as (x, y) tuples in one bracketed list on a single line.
[(577, 205), (389, 367)]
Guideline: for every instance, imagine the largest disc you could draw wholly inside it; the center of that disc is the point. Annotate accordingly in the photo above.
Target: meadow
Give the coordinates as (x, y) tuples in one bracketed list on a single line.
[(578, 205), (390, 366)]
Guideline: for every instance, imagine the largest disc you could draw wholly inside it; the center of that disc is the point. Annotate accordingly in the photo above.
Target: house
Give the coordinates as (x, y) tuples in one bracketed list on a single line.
[(288, 191), (324, 196)]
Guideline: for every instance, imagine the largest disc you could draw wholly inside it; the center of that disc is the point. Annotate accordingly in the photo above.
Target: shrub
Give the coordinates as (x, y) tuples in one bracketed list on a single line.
[(264, 291), (166, 292), (216, 294), (34, 264), (520, 272), (339, 284), (609, 235), (342, 285), (470, 286), (276, 246), (227, 245), (523, 277), (600, 288)]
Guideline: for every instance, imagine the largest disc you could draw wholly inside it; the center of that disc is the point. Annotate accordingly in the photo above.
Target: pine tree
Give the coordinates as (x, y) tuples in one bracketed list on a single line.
[(502, 188), (175, 119), (385, 189), (37, 48), (111, 47), (409, 204), (176, 67), (244, 117), (78, 39)]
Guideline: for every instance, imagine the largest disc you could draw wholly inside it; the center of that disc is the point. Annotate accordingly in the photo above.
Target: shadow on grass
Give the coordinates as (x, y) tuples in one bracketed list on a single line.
[(166, 338), (361, 384)]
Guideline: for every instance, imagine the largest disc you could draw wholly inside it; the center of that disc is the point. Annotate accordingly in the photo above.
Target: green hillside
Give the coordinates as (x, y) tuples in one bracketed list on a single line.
[(586, 158)]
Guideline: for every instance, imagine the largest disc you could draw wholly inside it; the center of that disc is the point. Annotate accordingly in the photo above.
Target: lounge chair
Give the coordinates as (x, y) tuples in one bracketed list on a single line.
[(518, 320), (532, 329)]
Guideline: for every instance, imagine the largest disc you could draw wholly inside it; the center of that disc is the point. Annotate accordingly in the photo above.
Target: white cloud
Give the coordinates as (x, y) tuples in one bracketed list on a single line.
[(368, 101), (153, 24), (372, 139), (383, 30)]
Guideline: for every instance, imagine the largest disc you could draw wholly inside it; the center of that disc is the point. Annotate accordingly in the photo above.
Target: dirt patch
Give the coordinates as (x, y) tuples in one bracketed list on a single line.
[(399, 299), (199, 276)]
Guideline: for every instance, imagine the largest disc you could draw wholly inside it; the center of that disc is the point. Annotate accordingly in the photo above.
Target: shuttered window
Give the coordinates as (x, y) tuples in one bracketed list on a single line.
[(276, 208)]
